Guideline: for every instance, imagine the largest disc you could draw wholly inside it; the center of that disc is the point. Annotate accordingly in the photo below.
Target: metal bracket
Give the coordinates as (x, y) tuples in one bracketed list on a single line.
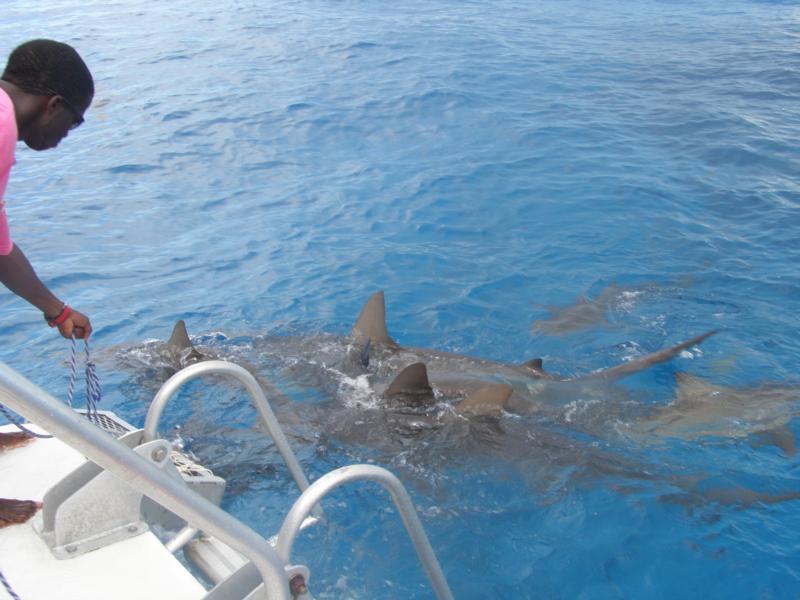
[(91, 508)]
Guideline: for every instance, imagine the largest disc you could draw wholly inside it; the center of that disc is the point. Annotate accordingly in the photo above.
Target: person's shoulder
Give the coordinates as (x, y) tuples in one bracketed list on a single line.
[(6, 111), (6, 104), (8, 123)]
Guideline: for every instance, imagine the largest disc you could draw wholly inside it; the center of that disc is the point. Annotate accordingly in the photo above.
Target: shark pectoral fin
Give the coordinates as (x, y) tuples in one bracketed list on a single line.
[(180, 344), (487, 401), (782, 437), (412, 382), (364, 354), (371, 322)]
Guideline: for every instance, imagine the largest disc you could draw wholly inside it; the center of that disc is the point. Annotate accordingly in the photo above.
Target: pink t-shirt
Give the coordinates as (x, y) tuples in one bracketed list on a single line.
[(8, 141)]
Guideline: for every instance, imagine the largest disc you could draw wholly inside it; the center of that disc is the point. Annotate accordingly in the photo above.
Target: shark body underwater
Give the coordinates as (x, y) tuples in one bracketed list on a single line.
[(486, 386), (423, 404), (415, 377), (704, 410)]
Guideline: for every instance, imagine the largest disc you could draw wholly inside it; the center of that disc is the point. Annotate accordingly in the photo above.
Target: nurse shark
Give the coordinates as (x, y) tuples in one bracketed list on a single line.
[(531, 386), (584, 312), (588, 312), (416, 405), (701, 410), (400, 375)]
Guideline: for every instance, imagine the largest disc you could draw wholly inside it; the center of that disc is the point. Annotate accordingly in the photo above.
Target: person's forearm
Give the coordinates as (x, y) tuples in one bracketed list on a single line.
[(17, 274)]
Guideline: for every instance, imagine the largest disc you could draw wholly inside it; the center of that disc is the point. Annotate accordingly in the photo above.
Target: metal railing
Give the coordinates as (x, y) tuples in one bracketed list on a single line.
[(219, 367), (36, 405), (329, 481)]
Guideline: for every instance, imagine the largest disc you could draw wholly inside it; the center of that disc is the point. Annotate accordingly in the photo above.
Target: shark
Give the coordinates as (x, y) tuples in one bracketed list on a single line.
[(409, 388), (702, 409), (415, 377), (420, 406), (586, 312), (485, 384)]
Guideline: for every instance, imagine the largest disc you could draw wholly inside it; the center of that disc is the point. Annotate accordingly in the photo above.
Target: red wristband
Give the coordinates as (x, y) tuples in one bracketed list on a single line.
[(60, 317)]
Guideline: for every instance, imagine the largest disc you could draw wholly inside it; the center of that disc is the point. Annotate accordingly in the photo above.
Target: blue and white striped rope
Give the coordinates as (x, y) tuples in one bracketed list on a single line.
[(73, 369), (13, 420), (93, 390), (8, 587)]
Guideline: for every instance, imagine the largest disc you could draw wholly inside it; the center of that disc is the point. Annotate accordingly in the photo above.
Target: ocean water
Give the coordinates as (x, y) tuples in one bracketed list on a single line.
[(258, 169)]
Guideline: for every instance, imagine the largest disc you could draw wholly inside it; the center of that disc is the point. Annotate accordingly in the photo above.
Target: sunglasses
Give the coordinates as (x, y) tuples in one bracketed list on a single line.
[(76, 113)]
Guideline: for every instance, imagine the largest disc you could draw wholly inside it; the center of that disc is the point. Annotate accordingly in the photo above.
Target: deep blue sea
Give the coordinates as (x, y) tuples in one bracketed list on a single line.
[(258, 169)]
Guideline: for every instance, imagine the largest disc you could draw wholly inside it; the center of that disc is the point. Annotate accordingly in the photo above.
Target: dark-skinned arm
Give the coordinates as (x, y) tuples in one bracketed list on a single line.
[(17, 274)]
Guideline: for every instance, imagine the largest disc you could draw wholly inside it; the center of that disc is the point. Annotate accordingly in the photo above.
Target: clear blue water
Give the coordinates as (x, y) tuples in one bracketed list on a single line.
[(259, 168)]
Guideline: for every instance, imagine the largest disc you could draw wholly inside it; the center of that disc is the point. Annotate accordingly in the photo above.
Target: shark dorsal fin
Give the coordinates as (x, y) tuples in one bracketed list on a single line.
[(693, 390), (487, 401), (179, 340), (181, 345), (535, 367), (411, 381), (371, 323)]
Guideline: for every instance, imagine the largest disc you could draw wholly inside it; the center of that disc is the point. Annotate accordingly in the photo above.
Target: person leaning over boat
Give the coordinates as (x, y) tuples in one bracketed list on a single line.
[(44, 91)]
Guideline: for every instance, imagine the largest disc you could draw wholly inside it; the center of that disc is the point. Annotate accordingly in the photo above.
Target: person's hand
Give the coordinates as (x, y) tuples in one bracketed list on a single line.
[(76, 324)]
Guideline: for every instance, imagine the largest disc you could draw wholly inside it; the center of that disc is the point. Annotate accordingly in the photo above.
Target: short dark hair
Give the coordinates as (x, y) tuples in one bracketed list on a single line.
[(47, 67)]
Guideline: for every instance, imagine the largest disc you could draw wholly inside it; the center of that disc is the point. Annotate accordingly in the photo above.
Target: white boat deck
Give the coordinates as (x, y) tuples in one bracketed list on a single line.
[(133, 569)]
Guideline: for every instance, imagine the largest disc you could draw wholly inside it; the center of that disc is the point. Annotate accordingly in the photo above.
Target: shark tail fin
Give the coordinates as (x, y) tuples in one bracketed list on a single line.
[(487, 401), (634, 366), (181, 345), (371, 323)]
